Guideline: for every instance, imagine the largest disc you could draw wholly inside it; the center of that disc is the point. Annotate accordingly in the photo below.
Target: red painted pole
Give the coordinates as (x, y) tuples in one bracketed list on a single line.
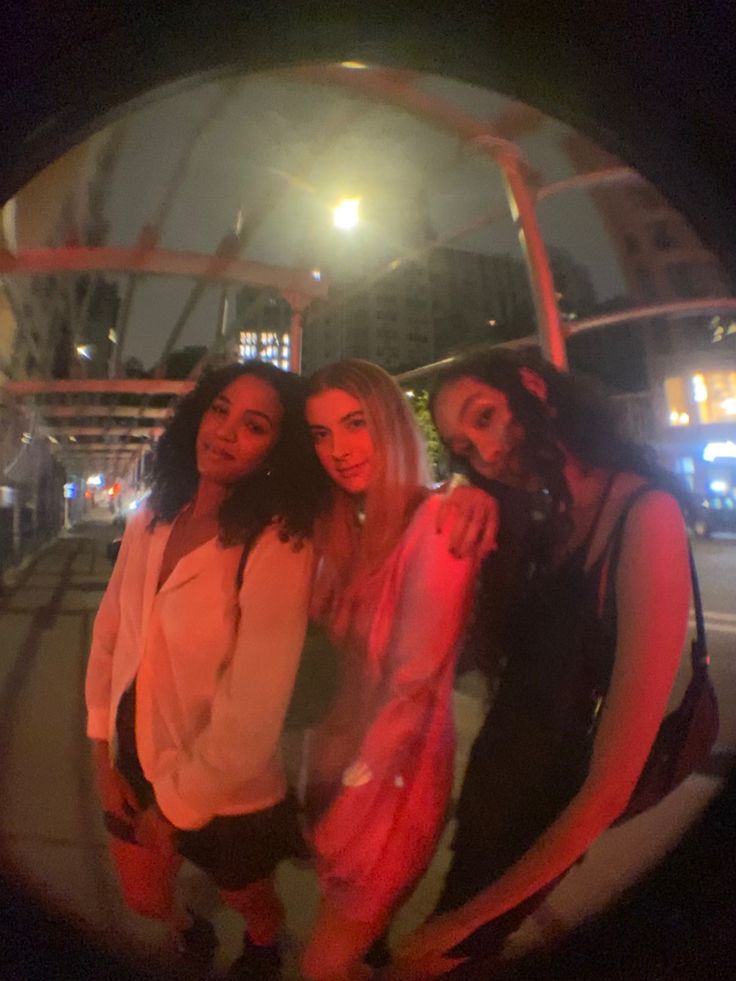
[(521, 202), (295, 341)]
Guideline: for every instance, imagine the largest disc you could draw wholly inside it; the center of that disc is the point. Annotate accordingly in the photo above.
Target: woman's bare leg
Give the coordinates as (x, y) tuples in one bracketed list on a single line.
[(337, 945), (260, 907)]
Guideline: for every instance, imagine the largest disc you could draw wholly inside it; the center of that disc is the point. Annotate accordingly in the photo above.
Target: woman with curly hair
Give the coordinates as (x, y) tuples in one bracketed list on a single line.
[(591, 648), (194, 653), (394, 599)]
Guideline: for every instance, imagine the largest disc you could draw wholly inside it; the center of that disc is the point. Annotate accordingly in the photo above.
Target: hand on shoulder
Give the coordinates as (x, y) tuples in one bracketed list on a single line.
[(470, 518)]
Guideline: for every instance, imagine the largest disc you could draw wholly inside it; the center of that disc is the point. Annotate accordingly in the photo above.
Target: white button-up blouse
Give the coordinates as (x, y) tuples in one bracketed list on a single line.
[(215, 670)]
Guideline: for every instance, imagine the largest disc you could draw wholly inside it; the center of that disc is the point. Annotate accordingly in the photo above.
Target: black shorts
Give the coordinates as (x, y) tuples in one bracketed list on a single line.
[(236, 849)]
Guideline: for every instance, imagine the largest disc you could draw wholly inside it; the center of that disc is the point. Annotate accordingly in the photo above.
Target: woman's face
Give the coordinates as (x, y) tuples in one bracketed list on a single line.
[(341, 438), (238, 430), (476, 424)]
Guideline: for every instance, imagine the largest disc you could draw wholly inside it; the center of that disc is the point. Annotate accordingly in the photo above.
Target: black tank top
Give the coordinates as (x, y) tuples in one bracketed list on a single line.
[(533, 751)]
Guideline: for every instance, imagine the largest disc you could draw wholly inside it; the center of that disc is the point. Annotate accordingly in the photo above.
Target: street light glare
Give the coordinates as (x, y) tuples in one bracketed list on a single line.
[(346, 214)]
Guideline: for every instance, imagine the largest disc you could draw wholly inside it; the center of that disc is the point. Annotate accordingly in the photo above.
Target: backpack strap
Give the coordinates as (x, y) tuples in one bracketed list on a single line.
[(699, 657), (584, 546), (611, 552)]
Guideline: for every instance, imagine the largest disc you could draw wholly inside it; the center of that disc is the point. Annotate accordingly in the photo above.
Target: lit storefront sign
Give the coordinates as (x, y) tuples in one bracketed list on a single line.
[(7, 496), (719, 451), (703, 397)]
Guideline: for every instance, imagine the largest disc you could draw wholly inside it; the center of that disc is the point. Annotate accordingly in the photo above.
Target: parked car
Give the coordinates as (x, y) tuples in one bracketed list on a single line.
[(716, 512)]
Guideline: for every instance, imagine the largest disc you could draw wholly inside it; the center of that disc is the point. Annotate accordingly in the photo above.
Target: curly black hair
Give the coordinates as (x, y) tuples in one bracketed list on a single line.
[(290, 487), (576, 417)]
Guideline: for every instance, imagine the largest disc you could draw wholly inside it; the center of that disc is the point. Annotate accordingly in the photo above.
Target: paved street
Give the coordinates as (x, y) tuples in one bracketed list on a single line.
[(49, 819)]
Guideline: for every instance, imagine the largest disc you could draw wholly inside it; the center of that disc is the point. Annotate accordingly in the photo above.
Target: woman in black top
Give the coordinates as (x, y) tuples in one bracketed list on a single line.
[(591, 647)]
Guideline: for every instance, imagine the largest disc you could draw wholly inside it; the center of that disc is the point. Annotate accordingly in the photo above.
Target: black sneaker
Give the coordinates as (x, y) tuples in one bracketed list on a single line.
[(195, 948), (256, 963)]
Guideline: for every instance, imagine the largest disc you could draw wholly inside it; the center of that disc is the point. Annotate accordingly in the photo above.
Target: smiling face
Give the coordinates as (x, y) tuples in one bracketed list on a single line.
[(477, 425), (238, 430), (341, 439)]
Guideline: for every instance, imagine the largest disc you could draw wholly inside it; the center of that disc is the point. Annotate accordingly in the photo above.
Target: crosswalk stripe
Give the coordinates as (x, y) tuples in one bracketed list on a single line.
[(712, 615), (718, 628)]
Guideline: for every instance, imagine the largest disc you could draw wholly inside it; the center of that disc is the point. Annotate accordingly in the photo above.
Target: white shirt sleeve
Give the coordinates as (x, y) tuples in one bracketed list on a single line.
[(104, 637), (254, 690)]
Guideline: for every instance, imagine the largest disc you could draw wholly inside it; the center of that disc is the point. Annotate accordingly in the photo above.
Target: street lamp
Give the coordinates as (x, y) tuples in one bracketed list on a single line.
[(346, 214)]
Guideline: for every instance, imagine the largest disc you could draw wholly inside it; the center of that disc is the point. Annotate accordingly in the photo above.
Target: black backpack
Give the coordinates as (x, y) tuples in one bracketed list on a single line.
[(315, 685)]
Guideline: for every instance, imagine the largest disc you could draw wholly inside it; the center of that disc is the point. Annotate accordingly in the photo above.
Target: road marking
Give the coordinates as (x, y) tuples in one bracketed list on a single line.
[(717, 628), (710, 614)]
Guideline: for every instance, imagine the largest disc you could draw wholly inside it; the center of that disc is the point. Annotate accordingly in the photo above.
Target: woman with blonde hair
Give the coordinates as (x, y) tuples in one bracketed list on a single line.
[(394, 599)]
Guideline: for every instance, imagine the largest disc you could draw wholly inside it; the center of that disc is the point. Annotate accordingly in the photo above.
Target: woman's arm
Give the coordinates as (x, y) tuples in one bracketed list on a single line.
[(471, 516), (652, 591), (253, 693)]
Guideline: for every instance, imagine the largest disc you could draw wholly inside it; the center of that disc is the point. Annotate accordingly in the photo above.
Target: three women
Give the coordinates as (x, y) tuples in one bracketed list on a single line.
[(591, 653)]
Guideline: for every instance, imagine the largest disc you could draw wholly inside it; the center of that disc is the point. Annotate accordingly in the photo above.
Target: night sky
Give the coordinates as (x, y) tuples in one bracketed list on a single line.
[(271, 137)]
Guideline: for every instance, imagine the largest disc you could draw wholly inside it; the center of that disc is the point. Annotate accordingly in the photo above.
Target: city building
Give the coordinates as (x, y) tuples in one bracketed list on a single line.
[(262, 326), (66, 323), (688, 381), (437, 303), (695, 409), (7, 333)]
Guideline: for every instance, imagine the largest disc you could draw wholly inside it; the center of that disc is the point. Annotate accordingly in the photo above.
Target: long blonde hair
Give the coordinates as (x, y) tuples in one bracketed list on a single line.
[(351, 553)]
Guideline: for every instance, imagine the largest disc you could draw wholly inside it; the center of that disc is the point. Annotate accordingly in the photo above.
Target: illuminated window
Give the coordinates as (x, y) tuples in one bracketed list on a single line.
[(267, 345), (685, 468), (700, 389), (711, 395), (721, 396), (678, 406)]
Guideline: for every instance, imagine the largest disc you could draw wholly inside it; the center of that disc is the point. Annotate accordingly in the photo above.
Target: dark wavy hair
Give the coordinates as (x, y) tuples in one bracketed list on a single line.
[(290, 486), (576, 417)]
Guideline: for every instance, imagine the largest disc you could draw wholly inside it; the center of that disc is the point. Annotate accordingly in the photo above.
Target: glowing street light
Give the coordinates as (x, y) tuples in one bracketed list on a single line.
[(346, 214)]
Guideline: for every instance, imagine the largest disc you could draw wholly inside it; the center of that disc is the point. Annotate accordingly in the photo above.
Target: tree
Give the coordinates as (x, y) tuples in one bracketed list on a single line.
[(420, 404), (720, 331)]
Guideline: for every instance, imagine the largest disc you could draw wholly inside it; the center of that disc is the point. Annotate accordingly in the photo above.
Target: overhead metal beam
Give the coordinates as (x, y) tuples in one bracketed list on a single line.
[(107, 448), (675, 308), (418, 374), (114, 411), (593, 178), (99, 386), (149, 432), (220, 268)]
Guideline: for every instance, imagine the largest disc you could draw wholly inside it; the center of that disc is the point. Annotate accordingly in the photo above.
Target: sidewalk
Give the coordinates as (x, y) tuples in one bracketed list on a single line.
[(50, 821)]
